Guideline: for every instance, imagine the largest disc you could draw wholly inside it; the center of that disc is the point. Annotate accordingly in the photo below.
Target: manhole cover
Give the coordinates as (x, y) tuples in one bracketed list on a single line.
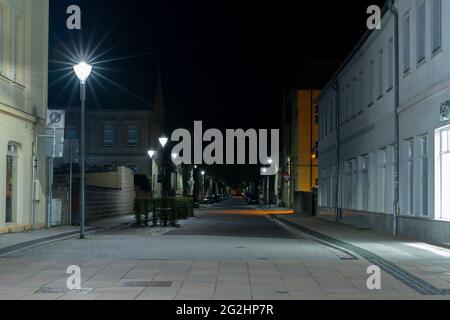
[(49, 290), (145, 284)]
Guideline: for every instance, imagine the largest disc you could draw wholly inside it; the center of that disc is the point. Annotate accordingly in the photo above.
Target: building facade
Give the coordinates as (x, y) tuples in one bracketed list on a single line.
[(299, 164), (383, 150), (23, 108)]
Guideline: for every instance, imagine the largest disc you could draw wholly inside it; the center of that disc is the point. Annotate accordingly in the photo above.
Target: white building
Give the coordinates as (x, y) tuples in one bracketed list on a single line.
[(384, 83), (23, 107)]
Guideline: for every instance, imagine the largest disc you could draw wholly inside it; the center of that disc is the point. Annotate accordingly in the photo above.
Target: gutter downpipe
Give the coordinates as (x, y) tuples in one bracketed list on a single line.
[(396, 211), (336, 196)]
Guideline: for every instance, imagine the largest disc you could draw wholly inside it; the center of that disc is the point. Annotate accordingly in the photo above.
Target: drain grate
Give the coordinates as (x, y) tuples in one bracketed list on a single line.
[(146, 284), (50, 290)]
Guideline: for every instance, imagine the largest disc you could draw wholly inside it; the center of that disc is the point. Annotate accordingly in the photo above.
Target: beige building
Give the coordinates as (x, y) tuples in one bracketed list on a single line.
[(299, 166), (23, 108)]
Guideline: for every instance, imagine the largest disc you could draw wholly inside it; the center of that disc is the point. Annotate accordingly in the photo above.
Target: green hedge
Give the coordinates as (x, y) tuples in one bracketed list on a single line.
[(180, 208)]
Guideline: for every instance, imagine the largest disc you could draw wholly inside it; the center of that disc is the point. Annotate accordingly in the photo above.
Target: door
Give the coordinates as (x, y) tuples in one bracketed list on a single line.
[(11, 183)]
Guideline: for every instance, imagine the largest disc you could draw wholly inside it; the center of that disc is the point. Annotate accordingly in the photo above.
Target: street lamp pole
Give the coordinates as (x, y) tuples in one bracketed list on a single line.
[(203, 184), (82, 70), (163, 141), (151, 154)]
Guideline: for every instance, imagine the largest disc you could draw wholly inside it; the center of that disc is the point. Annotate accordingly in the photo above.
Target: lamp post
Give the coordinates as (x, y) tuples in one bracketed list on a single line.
[(269, 161), (83, 71), (151, 154), (163, 142), (203, 183)]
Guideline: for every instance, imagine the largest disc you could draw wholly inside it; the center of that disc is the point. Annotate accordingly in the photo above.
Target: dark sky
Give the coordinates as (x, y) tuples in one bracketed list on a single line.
[(223, 62)]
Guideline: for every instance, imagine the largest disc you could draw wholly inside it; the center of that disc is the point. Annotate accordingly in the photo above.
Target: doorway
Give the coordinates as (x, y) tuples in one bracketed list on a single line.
[(11, 183)]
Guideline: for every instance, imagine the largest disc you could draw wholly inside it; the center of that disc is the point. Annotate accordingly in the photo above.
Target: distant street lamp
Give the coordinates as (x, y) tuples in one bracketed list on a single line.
[(269, 161), (163, 141), (203, 183), (83, 71)]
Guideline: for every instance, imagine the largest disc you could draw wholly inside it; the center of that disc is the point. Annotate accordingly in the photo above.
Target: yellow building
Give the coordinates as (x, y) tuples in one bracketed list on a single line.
[(300, 135), (23, 108)]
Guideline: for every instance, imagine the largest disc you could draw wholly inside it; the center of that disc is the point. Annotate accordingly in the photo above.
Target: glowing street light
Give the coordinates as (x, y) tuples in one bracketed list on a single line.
[(270, 161), (203, 173), (174, 156), (163, 141), (151, 153), (83, 71)]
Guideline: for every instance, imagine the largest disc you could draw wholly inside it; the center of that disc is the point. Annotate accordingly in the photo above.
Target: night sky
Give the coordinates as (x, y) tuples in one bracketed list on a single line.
[(224, 62)]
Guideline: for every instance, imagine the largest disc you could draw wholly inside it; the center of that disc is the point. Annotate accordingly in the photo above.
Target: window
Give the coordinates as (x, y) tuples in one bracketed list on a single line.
[(354, 96), (443, 175), (391, 63), (365, 182), (380, 73), (109, 135), (18, 54), (133, 136), (421, 31), (436, 25), (423, 183), (409, 199), (371, 81), (361, 91), (354, 183), (380, 190), (348, 201), (406, 43), (330, 107), (3, 37), (11, 183)]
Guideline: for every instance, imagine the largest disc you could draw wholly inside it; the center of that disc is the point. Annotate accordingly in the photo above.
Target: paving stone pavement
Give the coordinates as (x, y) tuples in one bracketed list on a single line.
[(218, 255)]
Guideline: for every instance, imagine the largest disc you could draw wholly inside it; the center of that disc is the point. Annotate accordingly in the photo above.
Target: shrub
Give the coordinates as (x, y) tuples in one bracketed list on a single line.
[(180, 208), (137, 211)]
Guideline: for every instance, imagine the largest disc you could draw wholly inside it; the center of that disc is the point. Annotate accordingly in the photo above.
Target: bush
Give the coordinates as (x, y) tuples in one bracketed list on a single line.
[(180, 208), (141, 212), (137, 211)]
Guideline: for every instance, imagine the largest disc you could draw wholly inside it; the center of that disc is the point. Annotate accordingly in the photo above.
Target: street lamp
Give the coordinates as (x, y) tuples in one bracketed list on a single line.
[(83, 71), (163, 142), (203, 183), (269, 161), (151, 154)]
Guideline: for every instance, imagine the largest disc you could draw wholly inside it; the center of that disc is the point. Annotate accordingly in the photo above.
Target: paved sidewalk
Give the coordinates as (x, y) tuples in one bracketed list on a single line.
[(14, 241), (422, 266)]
